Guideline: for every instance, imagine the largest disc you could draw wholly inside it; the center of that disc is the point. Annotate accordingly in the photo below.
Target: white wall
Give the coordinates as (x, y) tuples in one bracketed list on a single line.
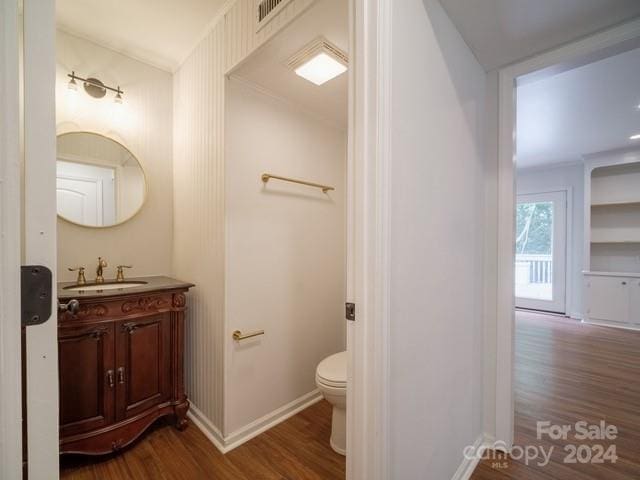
[(285, 251), (559, 177), (144, 126), (437, 244), (199, 196)]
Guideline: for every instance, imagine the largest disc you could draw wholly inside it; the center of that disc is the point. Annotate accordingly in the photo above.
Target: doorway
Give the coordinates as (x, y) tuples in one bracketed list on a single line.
[(566, 59)]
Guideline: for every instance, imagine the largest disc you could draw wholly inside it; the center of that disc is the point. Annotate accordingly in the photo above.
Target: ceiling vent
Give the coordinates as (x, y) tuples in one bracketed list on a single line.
[(267, 10)]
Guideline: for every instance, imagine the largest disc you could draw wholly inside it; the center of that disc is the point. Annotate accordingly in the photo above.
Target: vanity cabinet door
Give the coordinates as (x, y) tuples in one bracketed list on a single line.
[(87, 378), (143, 364)]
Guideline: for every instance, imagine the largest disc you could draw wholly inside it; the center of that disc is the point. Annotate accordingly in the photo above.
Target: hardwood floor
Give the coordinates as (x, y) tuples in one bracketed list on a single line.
[(566, 372), (297, 449)]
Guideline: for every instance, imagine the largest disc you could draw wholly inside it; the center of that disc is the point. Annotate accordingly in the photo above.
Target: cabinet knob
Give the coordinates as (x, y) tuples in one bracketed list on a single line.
[(624, 283)]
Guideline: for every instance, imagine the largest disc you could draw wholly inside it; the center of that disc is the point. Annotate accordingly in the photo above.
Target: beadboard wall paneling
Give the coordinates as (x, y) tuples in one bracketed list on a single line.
[(198, 176), (144, 126), (199, 210), (241, 38)]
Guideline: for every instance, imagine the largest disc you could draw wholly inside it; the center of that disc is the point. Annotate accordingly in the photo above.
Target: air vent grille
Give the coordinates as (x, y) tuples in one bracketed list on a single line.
[(267, 9)]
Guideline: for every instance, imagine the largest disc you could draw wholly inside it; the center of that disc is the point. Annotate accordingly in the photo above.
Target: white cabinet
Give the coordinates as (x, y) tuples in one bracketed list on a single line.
[(634, 301), (612, 299)]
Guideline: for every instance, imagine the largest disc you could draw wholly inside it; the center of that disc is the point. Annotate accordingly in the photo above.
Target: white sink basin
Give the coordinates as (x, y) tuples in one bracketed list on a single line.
[(103, 286)]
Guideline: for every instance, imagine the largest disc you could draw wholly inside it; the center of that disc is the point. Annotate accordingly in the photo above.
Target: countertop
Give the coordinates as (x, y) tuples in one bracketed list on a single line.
[(154, 284)]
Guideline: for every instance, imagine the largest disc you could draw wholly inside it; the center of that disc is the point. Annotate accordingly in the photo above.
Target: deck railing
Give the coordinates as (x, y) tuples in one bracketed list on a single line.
[(540, 267)]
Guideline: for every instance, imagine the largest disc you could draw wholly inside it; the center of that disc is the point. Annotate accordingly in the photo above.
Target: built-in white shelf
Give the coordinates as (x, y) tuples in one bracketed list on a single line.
[(614, 242), (625, 203), (615, 184), (592, 273)]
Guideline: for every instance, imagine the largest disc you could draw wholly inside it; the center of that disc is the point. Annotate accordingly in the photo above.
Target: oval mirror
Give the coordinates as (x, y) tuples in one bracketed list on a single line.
[(99, 182)]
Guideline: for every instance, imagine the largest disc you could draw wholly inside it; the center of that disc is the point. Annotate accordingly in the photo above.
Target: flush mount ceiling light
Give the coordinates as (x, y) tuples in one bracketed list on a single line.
[(319, 61), (94, 87)]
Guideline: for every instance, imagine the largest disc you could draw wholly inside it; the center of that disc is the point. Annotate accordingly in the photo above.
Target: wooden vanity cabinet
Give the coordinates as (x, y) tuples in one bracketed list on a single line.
[(120, 368)]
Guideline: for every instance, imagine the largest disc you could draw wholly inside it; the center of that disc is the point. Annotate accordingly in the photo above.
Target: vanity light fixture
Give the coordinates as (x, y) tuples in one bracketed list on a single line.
[(319, 61), (73, 85), (635, 137), (94, 87)]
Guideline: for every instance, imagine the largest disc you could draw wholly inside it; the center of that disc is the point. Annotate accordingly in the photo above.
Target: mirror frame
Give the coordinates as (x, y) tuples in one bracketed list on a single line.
[(144, 176)]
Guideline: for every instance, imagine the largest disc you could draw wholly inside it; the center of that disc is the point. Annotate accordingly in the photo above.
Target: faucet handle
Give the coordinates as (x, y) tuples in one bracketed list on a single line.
[(120, 274), (81, 280)]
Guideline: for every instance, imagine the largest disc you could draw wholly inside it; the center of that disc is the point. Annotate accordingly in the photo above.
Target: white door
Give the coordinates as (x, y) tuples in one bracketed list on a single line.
[(10, 382), (86, 193), (541, 251), (39, 236)]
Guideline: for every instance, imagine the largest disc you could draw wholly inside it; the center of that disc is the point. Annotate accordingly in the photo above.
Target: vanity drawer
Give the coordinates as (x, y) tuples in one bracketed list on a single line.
[(95, 310)]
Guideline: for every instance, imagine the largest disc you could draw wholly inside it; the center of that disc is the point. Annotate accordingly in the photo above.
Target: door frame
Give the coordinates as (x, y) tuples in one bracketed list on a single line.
[(368, 235), (10, 330), (568, 237), (598, 46), (368, 239)]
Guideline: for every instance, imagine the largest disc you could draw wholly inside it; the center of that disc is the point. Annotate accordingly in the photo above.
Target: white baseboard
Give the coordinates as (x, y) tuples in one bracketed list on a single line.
[(263, 424), (468, 465), (235, 439), (209, 429), (604, 323)]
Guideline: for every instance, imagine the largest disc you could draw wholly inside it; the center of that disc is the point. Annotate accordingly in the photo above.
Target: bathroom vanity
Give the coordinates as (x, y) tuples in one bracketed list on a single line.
[(120, 361)]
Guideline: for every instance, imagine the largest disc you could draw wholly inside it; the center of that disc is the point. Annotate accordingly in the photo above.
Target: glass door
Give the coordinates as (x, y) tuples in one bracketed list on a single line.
[(541, 246)]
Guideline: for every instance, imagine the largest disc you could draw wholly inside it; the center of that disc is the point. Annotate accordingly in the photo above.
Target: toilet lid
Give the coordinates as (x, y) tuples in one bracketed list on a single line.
[(333, 370)]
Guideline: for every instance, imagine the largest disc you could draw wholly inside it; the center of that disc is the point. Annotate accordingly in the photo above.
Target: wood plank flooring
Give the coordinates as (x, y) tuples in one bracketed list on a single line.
[(297, 449), (565, 372)]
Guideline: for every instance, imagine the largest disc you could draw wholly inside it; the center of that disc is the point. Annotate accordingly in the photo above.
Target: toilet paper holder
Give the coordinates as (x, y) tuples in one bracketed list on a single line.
[(238, 335)]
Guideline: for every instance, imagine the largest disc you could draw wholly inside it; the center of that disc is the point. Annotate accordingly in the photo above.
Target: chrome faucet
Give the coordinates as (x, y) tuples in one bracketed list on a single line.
[(101, 264)]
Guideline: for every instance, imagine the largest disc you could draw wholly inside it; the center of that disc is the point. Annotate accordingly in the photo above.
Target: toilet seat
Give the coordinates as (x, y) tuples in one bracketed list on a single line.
[(332, 371)]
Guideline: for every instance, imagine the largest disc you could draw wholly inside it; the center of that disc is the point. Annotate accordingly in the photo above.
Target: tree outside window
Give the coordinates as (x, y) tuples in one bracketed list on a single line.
[(534, 222)]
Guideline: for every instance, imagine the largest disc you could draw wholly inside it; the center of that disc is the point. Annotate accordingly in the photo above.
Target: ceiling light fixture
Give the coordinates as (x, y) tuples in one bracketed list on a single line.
[(319, 61), (635, 137), (94, 87)]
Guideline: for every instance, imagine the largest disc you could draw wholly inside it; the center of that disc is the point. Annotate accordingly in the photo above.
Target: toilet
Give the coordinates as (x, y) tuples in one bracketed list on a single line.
[(331, 379)]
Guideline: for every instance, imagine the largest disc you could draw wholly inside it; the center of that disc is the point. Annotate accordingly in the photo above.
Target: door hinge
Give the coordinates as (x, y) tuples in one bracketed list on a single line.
[(350, 311), (36, 290)]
